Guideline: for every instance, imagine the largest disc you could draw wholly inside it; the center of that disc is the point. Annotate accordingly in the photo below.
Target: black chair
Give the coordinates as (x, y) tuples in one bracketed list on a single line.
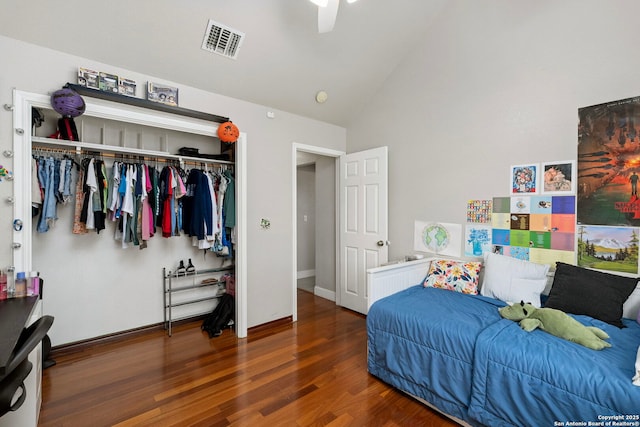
[(19, 366)]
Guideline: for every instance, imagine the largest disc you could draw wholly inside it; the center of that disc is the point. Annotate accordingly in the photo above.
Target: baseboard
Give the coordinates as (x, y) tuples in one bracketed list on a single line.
[(324, 293), (303, 274), (83, 345), (270, 325)]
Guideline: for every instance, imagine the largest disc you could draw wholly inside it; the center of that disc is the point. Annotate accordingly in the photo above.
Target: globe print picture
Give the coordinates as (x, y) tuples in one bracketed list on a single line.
[(435, 237)]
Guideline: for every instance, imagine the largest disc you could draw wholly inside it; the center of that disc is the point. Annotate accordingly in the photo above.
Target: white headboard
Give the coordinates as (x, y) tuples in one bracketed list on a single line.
[(389, 279)]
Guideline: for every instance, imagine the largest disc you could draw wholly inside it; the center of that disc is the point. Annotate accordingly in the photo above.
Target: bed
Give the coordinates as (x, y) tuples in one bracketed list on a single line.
[(453, 351)]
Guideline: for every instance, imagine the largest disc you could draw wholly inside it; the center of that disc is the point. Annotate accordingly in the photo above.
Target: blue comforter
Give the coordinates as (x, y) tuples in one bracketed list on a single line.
[(457, 353)]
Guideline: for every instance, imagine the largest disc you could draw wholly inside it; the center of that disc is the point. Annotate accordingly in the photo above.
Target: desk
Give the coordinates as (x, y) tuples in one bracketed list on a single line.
[(14, 314)]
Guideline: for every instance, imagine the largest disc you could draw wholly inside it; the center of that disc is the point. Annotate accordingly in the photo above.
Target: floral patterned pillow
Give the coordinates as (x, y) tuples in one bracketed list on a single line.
[(458, 276)]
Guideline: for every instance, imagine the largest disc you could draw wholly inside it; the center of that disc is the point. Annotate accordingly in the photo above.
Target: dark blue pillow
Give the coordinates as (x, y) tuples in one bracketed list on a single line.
[(578, 290)]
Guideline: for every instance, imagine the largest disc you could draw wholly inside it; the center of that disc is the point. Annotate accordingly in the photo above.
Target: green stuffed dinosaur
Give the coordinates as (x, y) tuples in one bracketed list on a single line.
[(556, 323)]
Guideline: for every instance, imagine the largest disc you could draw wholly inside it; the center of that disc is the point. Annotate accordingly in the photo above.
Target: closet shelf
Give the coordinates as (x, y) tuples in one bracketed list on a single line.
[(200, 272), (78, 146), (186, 288), (178, 304), (143, 103)]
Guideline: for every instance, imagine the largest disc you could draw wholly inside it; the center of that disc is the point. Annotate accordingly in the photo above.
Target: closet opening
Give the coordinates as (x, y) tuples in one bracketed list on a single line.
[(93, 285)]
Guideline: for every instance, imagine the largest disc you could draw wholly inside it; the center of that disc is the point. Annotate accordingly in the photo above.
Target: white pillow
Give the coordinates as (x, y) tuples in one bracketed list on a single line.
[(636, 378), (631, 307), (512, 280)]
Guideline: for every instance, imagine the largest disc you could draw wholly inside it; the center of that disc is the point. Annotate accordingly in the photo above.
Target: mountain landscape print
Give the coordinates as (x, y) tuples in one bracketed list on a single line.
[(608, 248)]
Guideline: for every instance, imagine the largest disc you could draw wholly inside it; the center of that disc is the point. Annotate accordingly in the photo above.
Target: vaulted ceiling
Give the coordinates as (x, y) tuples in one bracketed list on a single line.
[(282, 63)]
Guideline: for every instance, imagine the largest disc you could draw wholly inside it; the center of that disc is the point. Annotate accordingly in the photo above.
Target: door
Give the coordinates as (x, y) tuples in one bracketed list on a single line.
[(363, 223)]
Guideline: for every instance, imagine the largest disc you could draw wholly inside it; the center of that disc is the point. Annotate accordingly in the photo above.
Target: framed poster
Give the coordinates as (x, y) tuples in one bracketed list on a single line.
[(162, 93), (524, 179), (608, 164), (559, 177), (108, 82)]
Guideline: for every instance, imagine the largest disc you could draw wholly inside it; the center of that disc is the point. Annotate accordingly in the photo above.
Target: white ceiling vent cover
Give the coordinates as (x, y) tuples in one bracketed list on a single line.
[(222, 40)]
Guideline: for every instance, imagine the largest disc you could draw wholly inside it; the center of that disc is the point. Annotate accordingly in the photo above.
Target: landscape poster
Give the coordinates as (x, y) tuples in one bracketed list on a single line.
[(608, 248)]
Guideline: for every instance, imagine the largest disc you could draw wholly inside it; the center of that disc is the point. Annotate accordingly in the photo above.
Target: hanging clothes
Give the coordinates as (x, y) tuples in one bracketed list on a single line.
[(147, 228), (199, 219), (89, 186), (230, 200), (114, 200), (137, 198), (100, 197), (36, 191), (47, 180), (79, 227)]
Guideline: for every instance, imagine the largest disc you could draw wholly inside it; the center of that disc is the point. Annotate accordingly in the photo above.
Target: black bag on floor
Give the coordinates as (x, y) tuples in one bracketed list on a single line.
[(220, 316)]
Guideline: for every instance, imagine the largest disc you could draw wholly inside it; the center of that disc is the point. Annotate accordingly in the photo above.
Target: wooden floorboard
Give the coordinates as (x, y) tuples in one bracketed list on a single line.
[(309, 373)]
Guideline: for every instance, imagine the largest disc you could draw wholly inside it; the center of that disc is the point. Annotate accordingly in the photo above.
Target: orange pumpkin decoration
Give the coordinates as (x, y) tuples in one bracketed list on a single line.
[(228, 132)]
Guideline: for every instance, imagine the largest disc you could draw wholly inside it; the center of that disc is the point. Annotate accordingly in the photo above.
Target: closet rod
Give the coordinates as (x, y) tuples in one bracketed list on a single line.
[(79, 146), (121, 157)]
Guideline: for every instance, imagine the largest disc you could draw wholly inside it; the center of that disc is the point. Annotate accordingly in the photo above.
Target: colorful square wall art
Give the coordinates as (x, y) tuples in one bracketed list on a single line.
[(540, 222), (477, 239), (563, 205), (440, 238), (501, 205), (479, 211), (540, 239), (520, 238), (519, 253), (541, 225), (563, 241), (550, 256), (500, 237), (559, 177), (524, 179), (608, 248), (501, 220), (519, 221), (563, 223), (521, 204), (541, 204)]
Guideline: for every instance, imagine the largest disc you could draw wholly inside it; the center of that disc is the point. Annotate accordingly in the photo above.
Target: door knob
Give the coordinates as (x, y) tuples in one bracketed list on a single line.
[(383, 242)]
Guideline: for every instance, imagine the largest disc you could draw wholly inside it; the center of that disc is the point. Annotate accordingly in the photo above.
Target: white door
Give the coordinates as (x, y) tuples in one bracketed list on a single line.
[(363, 223)]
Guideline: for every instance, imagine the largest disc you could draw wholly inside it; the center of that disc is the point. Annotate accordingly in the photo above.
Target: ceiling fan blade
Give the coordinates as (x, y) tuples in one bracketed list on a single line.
[(327, 16)]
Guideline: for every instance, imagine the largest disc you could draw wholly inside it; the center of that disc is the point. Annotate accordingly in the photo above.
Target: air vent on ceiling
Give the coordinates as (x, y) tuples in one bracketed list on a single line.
[(222, 40)]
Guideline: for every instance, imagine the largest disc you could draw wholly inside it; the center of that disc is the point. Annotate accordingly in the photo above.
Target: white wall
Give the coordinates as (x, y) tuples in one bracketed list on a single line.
[(269, 182), (491, 84), (306, 229), (326, 223)]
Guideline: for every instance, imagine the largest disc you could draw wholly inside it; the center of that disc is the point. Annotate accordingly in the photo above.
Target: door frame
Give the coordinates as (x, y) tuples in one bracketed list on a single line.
[(327, 152)]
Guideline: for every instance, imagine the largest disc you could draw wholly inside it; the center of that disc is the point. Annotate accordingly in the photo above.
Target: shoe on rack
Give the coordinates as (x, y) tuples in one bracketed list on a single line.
[(181, 269), (190, 268)]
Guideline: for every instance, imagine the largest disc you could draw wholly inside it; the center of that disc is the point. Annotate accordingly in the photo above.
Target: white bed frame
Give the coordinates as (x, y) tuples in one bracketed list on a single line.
[(389, 279)]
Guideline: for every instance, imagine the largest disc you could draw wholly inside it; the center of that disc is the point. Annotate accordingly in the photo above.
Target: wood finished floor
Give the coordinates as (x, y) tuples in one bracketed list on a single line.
[(310, 373)]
